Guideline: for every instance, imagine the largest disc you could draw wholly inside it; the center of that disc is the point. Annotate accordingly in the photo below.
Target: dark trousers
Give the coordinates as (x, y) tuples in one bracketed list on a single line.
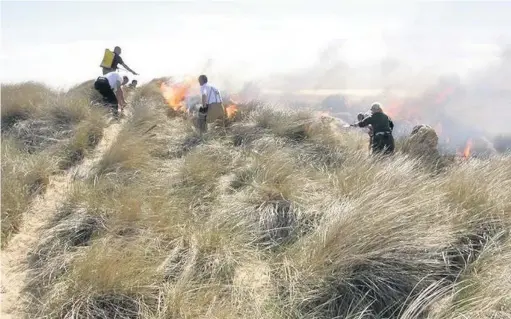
[(202, 123), (383, 143), (103, 87)]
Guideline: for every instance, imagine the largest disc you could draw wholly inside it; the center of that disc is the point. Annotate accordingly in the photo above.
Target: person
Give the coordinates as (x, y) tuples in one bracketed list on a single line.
[(382, 126), (116, 61), (133, 84), (110, 87), (211, 109), (369, 131)]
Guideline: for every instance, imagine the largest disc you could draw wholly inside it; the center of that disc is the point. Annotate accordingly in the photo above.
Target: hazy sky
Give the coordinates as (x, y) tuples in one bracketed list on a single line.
[(62, 43)]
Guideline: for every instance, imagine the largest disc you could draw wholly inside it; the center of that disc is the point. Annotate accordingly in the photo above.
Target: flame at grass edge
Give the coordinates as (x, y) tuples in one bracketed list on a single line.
[(468, 147), (175, 94), (231, 110)]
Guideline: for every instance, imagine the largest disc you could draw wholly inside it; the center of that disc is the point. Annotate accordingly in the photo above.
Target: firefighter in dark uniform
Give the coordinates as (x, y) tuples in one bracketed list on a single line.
[(360, 117), (382, 141), (116, 61)]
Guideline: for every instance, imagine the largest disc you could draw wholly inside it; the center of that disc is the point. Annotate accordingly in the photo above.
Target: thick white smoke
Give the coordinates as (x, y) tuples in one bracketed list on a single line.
[(447, 66)]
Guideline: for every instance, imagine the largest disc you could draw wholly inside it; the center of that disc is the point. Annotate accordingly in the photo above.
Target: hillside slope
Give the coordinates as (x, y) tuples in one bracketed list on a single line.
[(280, 215), (37, 215)]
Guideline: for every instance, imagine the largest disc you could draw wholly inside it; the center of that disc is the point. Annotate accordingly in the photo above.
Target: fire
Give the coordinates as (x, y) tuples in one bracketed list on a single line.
[(175, 94), (468, 147), (231, 110), (400, 110), (393, 109)]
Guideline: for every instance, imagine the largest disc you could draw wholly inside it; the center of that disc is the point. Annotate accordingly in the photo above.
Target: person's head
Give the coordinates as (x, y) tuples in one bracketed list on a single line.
[(360, 116), (125, 80), (134, 83), (203, 79), (117, 50), (376, 108)]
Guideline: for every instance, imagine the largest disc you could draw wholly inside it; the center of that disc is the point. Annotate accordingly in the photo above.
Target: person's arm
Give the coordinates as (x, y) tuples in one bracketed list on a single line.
[(364, 122), (121, 62), (119, 96), (119, 93), (391, 124), (128, 68)]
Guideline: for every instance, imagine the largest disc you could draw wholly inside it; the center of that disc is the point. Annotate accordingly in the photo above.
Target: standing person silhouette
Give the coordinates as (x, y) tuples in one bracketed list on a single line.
[(116, 61)]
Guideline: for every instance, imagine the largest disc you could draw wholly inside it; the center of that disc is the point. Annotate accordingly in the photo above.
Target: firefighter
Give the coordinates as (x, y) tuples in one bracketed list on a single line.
[(212, 109), (116, 61), (382, 140), (369, 130), (133, 84), (110, 87)]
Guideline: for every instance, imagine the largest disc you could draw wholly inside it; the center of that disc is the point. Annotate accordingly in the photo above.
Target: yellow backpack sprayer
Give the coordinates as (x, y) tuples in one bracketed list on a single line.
[(108, 59)]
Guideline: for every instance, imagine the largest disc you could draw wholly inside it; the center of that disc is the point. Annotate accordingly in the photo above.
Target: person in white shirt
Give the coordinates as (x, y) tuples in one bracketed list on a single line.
[(212, 109), (110, 87)]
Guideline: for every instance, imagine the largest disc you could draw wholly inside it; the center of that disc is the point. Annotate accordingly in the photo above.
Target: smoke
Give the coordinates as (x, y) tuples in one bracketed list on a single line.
[(447, 65), (460, 88)]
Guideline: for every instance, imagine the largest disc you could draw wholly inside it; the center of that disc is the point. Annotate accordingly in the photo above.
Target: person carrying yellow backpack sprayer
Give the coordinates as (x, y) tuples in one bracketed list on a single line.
[(112, 59)]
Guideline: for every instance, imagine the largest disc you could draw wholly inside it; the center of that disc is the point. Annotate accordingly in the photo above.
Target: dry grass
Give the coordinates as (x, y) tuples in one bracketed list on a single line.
[(85, 90), (279, 217), (42, 132), (23, 177), (21, 101), (86, 135)]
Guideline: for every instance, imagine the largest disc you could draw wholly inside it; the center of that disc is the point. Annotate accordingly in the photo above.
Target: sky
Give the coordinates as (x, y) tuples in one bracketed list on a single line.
[(61, 43)]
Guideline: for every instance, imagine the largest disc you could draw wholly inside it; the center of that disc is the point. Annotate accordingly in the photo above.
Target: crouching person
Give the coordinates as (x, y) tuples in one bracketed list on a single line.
[(382, 141), (110, 87), (212, 109)]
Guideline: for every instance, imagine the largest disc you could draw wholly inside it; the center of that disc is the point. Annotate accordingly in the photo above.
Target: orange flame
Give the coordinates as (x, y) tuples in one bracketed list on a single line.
[(399, 110), (468, 147), (231, 110), (175, 94)]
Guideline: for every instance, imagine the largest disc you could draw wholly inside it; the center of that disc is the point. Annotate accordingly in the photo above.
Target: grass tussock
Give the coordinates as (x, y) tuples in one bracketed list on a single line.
[(43, 132), (24, 176), (52, 118), (278, 216), (21, 101), (86, 136), (86, 90), (131, 152)]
